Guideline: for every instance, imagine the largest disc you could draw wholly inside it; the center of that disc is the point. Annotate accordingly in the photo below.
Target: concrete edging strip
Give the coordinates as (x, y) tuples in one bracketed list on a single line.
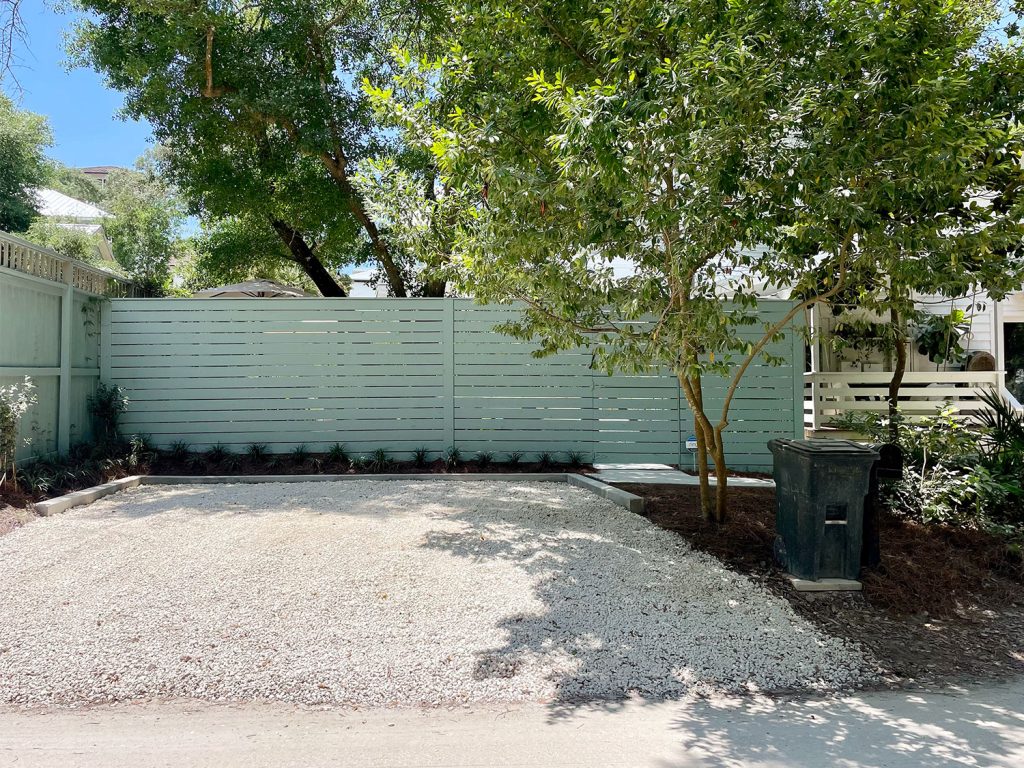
[(59, 504), (629, 501), (85, 496)]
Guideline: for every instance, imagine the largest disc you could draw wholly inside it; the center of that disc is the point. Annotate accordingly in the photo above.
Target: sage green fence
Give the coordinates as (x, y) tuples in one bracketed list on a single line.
[(400, 374), (49, 331)]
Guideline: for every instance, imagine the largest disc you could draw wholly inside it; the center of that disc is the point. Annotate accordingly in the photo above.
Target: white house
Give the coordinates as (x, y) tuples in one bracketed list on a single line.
[(70, 213)]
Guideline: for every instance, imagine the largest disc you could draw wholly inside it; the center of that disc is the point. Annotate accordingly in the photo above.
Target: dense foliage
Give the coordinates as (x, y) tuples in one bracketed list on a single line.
[(261, 109), (717, 151), (957, 472), (24, 137)]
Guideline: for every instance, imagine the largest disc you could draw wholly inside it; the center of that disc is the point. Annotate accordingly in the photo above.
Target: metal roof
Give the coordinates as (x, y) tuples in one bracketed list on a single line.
[(57, 205)]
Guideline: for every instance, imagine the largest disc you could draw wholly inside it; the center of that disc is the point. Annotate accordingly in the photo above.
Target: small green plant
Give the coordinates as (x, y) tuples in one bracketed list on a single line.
[(515, 458), (545, 461), (575, 459), (360, 463), (420, 457), (314, 464), (338, 454), (452, 459), (140, 452), (217, 453), (300, 454), (106, 406), (179, 450), (256, 451), (484, 459), (380, 461), (233, 462)]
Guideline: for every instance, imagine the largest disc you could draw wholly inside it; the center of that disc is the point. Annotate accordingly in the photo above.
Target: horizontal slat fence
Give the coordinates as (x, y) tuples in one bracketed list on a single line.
[(400, 374)]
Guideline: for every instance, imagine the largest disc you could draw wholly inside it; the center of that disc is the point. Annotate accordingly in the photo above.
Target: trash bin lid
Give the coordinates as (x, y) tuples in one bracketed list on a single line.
[(824, 447)]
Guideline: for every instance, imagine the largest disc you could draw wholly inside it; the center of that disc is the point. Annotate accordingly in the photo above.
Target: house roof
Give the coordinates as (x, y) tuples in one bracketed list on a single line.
[(57, 205)]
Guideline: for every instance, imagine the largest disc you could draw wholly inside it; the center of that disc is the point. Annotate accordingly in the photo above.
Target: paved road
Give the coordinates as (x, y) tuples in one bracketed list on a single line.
[(980, 727)]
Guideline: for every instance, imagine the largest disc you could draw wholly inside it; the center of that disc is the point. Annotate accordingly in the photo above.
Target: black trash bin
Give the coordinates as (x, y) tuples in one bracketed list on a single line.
[(820, 488)]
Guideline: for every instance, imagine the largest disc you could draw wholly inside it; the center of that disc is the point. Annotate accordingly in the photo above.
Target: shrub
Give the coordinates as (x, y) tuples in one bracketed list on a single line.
[(452, 459), (217, 453), (545, 460), (484, 459), (233, 462), (179, 450), (106, 407), (420, 457), (575, 459), (15, 400), (256, 451), (140, 452), (338, 454), (515, 458), (300, 454), (195, 462), (379, 461)]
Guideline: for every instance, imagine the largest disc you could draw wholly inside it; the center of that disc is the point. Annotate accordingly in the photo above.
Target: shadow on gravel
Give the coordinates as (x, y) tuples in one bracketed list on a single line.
[(624, 620), (895, 729)]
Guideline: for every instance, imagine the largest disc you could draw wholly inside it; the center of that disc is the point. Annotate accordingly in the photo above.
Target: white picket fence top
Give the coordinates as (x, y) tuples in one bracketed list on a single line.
[(43, 263)]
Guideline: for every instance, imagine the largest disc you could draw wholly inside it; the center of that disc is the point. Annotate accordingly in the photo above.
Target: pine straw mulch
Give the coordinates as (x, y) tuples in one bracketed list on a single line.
[(946, 605)]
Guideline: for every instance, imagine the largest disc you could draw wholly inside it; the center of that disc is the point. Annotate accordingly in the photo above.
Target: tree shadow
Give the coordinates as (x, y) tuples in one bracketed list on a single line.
[(971, 728), (631, 612)]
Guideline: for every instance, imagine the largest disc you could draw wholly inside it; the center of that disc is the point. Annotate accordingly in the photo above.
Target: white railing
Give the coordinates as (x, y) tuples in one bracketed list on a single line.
[(43, 263), (832, 395)]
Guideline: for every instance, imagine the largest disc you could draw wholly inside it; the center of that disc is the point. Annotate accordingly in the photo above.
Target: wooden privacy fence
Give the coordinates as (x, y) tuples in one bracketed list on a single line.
[(49, 331), (400, 374)]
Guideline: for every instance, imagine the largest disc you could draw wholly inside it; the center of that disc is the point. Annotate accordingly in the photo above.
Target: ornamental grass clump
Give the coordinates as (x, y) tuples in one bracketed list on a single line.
[(15, 400)]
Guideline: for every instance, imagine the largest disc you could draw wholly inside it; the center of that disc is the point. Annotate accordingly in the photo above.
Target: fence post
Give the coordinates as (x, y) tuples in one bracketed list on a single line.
[(67, 305), (799, 431), (105, 341), (448, 385)]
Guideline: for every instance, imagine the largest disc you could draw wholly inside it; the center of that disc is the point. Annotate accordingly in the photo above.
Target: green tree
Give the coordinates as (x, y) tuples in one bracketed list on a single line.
[(236, 250), (72, 182), (24, 137), (68, 241), (144, 225), (261, 106), (722, 150)]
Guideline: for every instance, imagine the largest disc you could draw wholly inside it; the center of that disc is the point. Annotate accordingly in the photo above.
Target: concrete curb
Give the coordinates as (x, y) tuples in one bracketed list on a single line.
[(63, 503), (629, 501), (534, 477), (86, 496)]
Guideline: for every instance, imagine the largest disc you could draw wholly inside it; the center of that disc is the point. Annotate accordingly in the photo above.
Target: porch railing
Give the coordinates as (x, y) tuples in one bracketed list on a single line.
[(830, 396)]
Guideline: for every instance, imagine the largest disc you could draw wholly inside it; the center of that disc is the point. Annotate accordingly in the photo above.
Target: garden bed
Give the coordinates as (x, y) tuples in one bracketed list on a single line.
[(946, 605)]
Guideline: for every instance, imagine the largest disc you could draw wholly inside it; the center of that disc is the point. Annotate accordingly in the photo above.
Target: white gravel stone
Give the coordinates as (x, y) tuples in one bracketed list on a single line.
[(375, 593)]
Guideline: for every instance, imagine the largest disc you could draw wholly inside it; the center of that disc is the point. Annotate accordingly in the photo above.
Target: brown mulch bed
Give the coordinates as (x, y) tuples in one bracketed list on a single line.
[(946, 605)]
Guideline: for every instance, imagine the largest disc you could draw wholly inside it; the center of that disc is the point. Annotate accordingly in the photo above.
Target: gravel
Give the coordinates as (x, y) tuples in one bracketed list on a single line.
[(376, 593)]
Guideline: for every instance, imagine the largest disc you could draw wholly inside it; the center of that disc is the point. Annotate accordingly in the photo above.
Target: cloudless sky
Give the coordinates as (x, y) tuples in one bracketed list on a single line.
[(82, 110)]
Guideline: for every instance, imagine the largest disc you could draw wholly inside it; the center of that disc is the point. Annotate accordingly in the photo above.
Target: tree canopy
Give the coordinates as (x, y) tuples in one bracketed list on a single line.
[(722, 151), (24, 138), (261, 108)]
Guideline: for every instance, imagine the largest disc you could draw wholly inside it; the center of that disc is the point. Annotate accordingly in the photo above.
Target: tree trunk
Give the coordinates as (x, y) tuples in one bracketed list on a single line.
[(693, 389), (897, 376), (303, 255), (435, 288), (721, 477)]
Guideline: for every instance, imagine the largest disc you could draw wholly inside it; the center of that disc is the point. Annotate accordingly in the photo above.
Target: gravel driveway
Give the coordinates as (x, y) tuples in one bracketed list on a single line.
[(385, 593)]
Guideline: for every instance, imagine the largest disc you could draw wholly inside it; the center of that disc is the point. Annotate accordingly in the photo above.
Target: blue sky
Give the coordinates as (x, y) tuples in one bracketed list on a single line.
[(82, 110)]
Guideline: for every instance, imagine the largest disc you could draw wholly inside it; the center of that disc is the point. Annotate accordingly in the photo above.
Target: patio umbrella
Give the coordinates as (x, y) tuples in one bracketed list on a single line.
[(263, 289)]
